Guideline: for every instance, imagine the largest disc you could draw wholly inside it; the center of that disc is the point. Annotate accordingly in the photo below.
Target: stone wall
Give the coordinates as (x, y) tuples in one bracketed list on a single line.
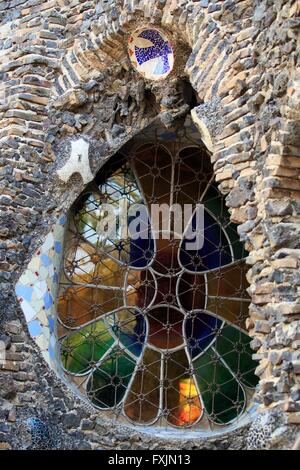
[(65, 74)]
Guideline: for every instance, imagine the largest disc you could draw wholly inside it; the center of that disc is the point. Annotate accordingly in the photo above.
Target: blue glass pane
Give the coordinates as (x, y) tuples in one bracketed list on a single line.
[(215, 251), (200, 330), (141, 252)]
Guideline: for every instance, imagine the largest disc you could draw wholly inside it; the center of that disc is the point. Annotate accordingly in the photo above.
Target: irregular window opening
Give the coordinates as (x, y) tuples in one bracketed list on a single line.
[(149, 330)]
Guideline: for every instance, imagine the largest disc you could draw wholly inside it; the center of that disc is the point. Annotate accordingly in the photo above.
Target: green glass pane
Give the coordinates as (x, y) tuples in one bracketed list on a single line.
[(237, 247), (83, 348), (214, 202), (222, 395), (233, 346), (107, 385), (225, 286)]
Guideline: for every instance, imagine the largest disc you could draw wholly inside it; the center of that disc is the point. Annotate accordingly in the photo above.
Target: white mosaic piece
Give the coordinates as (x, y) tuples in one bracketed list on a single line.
[(36, 291), (78, 162), (260, 432)]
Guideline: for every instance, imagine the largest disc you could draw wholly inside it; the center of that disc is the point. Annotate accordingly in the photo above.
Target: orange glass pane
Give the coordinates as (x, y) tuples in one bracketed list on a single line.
[(192, 172), (166, 259), (142, 402), (140, 288), (101, 291), (189, 409), (192, 291), (78, 305), (84, 265)]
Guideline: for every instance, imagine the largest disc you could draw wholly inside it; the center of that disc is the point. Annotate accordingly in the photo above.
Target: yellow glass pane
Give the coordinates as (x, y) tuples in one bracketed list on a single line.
[(180, 393)]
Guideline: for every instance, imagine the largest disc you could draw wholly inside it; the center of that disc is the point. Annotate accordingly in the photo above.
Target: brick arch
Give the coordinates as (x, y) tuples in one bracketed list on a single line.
[(219, 67)]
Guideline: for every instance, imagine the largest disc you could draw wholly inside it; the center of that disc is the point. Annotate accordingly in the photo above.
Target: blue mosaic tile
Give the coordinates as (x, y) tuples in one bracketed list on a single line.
[(46, 261), (48, 300), (57, 247), (51, 348), (37, 289), (34, 328), (51, 324), (40, 435), (24, 291)]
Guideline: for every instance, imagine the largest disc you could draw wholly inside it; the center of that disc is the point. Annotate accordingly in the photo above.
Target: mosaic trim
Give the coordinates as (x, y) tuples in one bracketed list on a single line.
[(36, 291)]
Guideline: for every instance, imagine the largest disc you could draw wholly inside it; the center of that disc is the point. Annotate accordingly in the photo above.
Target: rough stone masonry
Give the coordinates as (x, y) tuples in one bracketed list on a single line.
[(65, 75)]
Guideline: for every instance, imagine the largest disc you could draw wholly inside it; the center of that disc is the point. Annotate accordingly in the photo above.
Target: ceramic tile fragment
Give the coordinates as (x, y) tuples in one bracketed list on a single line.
[(37, 289)]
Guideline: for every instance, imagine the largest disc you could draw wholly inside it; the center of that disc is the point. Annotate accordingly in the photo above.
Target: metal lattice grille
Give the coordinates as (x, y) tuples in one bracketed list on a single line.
[(149, 329)]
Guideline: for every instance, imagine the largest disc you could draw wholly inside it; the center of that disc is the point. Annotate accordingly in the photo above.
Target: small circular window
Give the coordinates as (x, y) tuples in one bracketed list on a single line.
[(151, 53)]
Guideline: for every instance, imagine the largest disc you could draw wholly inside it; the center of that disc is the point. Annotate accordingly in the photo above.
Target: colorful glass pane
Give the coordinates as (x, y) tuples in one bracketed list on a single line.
[(223, 396), (200, 331), (108, 383), (82, 349)]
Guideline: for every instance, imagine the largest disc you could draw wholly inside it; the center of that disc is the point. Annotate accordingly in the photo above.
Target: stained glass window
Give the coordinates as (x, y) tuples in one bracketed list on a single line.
[(151, 331)]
